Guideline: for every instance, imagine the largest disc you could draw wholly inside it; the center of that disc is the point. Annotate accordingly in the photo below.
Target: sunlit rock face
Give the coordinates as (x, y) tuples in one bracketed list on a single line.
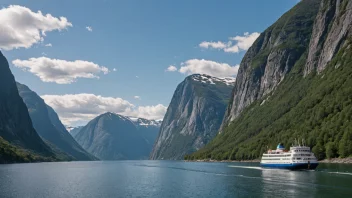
[(193, 117)]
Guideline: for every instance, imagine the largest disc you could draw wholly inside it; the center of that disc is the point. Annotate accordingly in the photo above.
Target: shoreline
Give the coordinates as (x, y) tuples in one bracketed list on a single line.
[(347, 160), (223, 161)]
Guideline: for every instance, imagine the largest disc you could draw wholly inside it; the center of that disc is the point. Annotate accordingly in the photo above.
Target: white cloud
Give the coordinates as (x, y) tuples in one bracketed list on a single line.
[(60, 71), (241, 43), (20, 27), (215, 45), (212, 68), (114, 69), (48, 45), (89, 28), (81, 108), (245, 42), (232, 49), (171, 68), (156, 112), (137, 97)]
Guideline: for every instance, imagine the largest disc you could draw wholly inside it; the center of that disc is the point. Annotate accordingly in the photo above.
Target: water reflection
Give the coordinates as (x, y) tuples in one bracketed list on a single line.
[(286, 182), (169, 179)]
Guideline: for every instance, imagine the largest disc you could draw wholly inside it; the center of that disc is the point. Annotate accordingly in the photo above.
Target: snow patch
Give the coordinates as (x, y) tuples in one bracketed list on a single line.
[(203, 78), (70, 128), (133, 119), (145, 122)]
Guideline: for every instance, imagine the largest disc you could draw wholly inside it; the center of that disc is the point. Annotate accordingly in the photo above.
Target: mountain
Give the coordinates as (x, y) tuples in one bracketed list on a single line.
[(74, 130), (294, 82), (193, 117), (48, 125), (115, 137), (272, 56), (19, 142), (149, 129)]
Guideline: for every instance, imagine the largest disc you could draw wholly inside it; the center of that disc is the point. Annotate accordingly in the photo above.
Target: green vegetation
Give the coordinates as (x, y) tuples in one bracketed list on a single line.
[(12, 154), (294, 28), (220, 93), (317, 108)]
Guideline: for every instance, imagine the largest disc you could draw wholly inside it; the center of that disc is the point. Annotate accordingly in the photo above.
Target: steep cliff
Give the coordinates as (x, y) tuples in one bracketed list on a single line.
[(313, 99), (272, 56), (149, 129), (193, 117), (16, 128), (115, 137), (48, 125), (331, 29)]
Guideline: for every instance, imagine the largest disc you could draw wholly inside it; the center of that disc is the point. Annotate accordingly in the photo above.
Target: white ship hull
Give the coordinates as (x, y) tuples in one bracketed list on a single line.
[(299, 157)]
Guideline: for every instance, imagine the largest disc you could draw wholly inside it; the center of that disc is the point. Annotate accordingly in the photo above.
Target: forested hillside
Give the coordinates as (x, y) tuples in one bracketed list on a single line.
[(313, 101)]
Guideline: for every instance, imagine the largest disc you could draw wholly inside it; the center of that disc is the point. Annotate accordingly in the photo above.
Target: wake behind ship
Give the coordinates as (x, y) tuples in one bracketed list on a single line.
[(297, 158)]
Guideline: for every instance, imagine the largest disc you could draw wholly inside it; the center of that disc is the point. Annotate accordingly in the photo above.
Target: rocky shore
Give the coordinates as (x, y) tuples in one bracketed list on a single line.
[(211, 160), (347, 160)]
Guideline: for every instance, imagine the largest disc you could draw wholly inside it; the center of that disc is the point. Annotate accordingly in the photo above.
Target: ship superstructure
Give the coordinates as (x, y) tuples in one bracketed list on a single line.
[(298, 157)]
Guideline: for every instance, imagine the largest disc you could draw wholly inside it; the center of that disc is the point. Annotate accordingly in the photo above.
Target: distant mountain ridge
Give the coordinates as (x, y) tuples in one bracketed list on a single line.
[(19, 142), (74, 130), (193, 117), (48, 125), (112, 136), (145, 122)]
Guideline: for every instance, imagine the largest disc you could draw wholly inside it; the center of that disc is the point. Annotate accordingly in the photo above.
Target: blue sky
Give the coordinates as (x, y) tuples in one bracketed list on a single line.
[(140, 39)]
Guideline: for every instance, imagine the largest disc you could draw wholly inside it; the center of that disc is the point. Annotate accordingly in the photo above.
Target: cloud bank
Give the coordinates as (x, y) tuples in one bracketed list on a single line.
[(60, 71), (234, 45), (21, 27), (212, 68), (171, 68), (78, 109), (215, 45)]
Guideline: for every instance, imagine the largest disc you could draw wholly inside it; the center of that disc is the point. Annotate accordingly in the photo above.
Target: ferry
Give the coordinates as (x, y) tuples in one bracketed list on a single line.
[(297, 158)]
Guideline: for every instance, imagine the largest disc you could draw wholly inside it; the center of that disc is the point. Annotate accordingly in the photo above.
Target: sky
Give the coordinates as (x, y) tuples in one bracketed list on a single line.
[(87, 57)]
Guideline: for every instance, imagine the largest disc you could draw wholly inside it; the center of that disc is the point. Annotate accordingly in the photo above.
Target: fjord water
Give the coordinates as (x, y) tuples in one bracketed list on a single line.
[(170, 179)]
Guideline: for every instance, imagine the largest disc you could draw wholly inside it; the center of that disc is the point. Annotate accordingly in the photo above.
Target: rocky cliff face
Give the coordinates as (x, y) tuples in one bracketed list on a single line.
[(115, 137), (193, 116), (149, 129), (48, 125), (306, 94), (271, 57), (331, 28), (15, 123)]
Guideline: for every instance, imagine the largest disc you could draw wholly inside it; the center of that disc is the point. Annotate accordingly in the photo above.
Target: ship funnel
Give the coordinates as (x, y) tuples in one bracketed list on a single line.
[(280, 146)]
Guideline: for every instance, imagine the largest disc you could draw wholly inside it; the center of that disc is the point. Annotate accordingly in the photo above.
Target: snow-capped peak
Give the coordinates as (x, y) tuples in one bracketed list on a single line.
[(203, 78), (70, 128), (145, 122), (133, 119)]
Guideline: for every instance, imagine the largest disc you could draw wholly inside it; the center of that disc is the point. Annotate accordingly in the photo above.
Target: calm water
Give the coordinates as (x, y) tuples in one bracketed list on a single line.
[(170, 179)]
